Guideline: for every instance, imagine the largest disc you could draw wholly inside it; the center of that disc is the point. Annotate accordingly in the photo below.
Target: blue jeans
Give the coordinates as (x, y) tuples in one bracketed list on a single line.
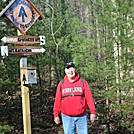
[(70, 123)]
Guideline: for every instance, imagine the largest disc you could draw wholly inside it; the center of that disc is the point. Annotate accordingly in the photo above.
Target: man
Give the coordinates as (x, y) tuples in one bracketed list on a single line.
[(72, 98)]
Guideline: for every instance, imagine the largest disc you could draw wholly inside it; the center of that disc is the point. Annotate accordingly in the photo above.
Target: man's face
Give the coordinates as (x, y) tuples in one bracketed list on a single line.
[(70, 72)]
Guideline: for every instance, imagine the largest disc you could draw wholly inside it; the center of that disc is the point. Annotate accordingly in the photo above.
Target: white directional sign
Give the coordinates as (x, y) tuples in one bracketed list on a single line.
[(4, 50), (25, 51), (24, 40)]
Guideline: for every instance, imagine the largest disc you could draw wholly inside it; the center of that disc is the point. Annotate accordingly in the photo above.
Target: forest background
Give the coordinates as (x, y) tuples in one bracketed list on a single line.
[(97, 35)]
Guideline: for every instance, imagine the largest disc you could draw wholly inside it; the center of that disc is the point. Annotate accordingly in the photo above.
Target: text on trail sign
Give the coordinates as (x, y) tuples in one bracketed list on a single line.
[(25, 50), (22, 14), (24, 40)]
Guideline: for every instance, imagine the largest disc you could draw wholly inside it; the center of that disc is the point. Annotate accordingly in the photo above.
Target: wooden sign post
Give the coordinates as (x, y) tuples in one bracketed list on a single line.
[(25, 98), (22, 14)]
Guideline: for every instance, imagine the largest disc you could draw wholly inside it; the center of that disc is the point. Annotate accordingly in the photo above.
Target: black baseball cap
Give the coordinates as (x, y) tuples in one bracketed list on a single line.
[(70, 64)]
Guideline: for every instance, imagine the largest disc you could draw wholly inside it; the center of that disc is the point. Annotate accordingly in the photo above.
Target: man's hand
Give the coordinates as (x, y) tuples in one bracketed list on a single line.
[(57, 120), (92, 118)]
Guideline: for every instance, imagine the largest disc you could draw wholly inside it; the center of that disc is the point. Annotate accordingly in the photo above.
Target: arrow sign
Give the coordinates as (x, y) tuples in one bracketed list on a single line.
[(25, 51), (24, 40)]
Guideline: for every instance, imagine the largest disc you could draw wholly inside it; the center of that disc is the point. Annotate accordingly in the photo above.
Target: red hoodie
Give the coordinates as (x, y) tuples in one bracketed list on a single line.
[(73, 105)]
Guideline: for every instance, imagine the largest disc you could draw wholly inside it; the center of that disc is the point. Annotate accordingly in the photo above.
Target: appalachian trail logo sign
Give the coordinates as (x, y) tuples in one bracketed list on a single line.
[(22, 14)]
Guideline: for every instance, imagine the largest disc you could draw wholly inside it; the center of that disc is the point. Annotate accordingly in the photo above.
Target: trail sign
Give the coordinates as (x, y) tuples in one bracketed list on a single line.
[(24, 40), (28, 75), (4, 50), (22, 14), (25, 50)]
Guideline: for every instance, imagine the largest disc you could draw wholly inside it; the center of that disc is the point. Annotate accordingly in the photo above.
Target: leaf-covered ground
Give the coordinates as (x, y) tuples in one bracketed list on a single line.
[(11, 117)]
